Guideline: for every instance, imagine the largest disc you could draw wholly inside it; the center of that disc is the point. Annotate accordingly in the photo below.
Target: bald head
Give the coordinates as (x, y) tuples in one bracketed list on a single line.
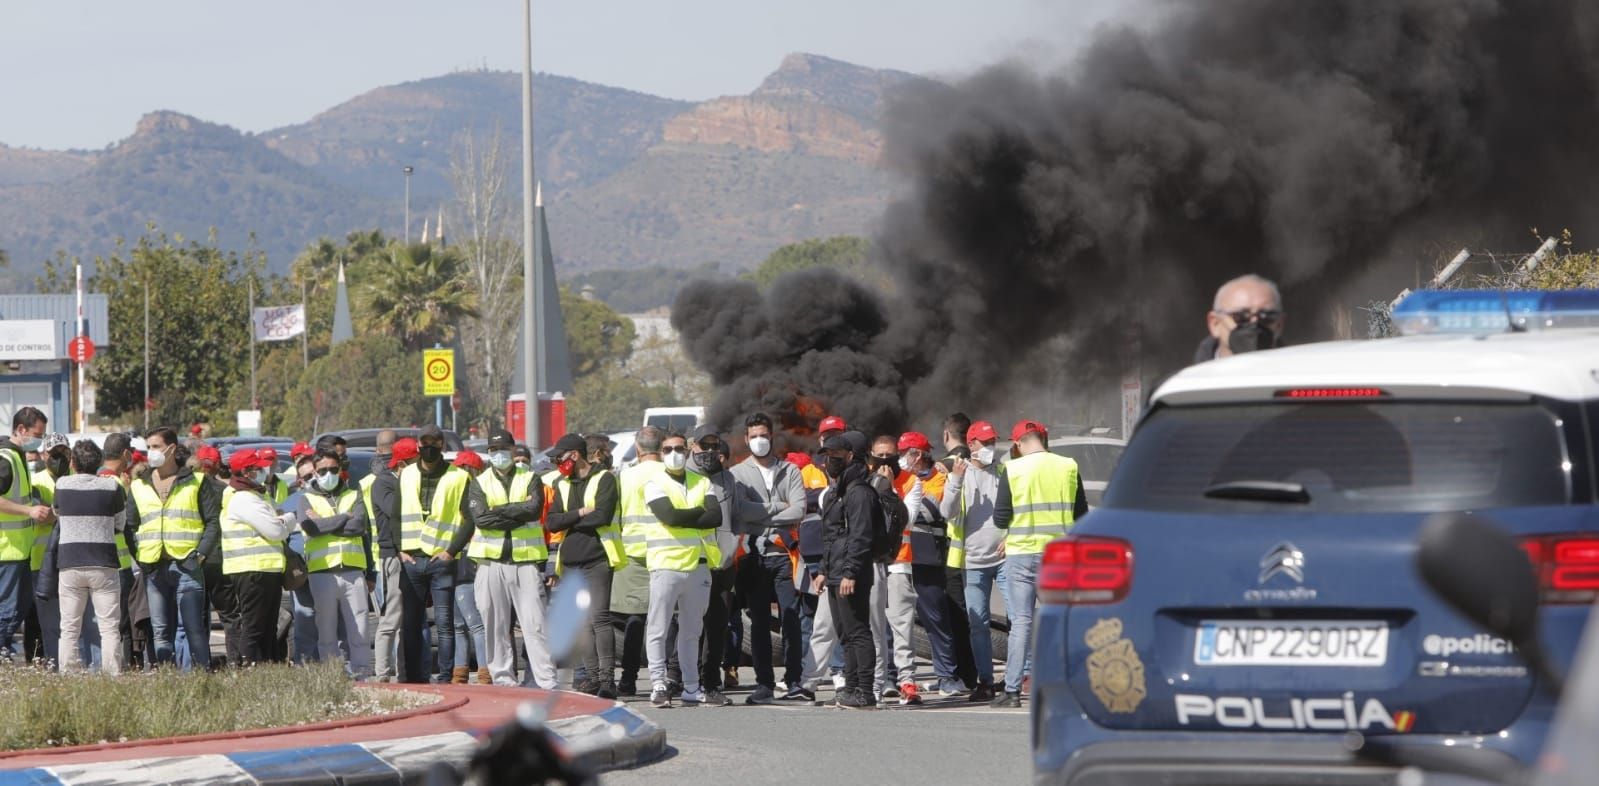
[(1246, 300), (385, 442)]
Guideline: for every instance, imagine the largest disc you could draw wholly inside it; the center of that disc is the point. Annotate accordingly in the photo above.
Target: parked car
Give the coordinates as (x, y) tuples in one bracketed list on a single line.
[(368, 437), (1096, 458)]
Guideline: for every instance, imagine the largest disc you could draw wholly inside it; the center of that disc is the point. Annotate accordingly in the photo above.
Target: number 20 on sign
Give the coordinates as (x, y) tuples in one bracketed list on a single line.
[(438, 372)]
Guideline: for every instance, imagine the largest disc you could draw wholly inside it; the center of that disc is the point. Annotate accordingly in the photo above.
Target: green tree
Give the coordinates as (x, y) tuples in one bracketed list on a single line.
[(367, 382), (199, 325), (596, 336), (611, 401), (419, 295), (846, 253)]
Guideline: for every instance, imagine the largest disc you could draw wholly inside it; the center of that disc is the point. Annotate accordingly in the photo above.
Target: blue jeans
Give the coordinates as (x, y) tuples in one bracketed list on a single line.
[(430, 576), (979, 592), (468, 622), (16, 599), (1021, 595), (177, 597)]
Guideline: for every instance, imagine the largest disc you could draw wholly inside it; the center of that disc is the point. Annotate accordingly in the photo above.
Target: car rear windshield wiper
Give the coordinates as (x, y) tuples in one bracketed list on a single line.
[(1259, 491)]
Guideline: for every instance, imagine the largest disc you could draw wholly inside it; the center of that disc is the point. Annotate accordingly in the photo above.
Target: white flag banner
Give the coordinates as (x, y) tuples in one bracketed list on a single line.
[(280, 323)]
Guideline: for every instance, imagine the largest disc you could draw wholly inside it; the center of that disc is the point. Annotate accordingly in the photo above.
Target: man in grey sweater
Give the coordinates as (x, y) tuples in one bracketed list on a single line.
[(84, 554), (767, 572), (978, 504)]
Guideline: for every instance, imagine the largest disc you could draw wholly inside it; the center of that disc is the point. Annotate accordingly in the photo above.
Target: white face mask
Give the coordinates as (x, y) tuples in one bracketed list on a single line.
[(675, 461), (157, 458), (261, 476), (500, 459), (760, 446), (984, 455), (905, 463), (328, 480)]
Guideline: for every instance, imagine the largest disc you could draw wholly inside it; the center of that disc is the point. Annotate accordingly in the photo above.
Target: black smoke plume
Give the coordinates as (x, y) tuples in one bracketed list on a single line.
[(1316, 142)]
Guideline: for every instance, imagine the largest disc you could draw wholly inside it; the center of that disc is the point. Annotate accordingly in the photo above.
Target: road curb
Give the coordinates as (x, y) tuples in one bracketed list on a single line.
[(614, 738)]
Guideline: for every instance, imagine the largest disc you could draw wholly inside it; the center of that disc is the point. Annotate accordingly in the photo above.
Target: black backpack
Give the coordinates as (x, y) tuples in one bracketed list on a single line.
[(887, 533)]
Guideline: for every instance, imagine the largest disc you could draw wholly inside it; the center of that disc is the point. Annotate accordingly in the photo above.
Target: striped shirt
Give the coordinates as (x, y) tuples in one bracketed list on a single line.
[(90, 509)]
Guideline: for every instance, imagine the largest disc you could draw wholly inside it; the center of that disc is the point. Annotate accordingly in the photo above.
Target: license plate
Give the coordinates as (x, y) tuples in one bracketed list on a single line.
[(1299, 643)]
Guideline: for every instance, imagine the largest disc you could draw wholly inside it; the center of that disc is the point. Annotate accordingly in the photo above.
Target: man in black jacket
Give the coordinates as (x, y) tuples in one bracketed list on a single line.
[(381, 488), (585, 506), (850, 514)]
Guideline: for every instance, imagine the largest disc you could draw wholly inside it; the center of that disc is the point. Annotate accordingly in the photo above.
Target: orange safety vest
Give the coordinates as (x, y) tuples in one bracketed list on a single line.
[(932, 489)]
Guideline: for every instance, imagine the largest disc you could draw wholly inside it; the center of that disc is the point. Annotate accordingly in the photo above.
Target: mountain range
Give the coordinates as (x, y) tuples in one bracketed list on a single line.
[(629, 179)]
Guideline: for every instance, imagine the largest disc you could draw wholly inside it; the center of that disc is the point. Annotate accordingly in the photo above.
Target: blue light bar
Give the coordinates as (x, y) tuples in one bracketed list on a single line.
[(1495, 311)]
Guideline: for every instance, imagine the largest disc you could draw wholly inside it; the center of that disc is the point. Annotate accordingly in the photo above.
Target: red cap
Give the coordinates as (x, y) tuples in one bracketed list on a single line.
[(404, 450), (209, 455), (467, 458), (196, 430), (982, 431), (1025, 427), (800, 460), (915, 440), (301, 449), (242, 460), (832, 423), (268, 454), (139, 457)]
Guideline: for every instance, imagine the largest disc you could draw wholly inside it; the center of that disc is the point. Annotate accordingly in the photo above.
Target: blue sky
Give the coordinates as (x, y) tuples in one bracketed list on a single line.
[(78, 74)]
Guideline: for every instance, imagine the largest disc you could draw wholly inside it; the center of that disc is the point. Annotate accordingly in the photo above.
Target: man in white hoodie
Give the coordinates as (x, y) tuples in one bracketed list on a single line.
[(252, 555)]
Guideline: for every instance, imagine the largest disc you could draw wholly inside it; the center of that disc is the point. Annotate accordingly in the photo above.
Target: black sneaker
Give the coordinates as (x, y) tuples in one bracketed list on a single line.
[(855, 700), (761, 695), (1006, 700), (983, 692), (627, 688), (798, 693), (660, 698), (607, 690), (840, 695)]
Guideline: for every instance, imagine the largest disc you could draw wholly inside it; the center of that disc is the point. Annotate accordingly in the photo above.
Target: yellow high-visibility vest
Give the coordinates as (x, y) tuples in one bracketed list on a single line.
[(16, 530), (171, 528), (527, 541), (371, 516), (632, 512), (431, 532), (243, 549), (124, 557), (1043, 493), (326, 552), (44, 484), (682, 548), (610, 536)]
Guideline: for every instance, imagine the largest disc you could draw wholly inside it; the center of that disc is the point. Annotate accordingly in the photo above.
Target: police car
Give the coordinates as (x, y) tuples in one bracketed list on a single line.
[(1246, 595)]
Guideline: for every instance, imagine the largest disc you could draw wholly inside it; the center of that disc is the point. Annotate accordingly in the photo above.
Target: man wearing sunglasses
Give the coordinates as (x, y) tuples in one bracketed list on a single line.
[(1247, 315)]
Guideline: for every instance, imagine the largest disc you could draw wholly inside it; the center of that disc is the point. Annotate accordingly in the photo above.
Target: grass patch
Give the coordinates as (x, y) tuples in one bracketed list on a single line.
[(42, 709)]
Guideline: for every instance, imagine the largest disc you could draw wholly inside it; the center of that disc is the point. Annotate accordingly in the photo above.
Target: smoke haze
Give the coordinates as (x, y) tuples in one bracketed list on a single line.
[(1050, 217)]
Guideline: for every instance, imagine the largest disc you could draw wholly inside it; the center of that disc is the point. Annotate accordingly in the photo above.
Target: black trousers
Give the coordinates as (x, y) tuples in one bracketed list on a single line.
[(599, 647), (773, 579), (852, 617), (257, 597), (965, 660), (219, 593), (713, 635), (632, 657)]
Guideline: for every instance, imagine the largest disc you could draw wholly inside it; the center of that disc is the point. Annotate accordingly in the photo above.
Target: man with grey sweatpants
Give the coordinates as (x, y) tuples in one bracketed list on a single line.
[(507, 501), (381, 489), (683, 588)]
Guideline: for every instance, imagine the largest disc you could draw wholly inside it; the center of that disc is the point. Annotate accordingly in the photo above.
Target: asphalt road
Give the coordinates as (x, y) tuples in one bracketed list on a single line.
[(943, 741)]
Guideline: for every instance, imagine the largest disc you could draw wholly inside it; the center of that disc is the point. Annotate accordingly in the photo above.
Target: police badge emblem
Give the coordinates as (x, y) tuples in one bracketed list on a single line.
[(1114, 670)]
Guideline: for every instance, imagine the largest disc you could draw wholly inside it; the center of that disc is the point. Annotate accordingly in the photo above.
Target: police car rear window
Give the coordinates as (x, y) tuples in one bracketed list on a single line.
[(1350, 457)]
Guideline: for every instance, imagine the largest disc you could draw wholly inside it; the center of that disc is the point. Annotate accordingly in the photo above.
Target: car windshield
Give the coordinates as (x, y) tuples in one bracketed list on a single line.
[(674, 424), (1094, 461), (1355, 457)]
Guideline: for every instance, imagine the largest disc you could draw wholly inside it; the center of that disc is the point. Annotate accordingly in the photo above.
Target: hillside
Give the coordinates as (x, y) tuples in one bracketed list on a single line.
[(631, 179)]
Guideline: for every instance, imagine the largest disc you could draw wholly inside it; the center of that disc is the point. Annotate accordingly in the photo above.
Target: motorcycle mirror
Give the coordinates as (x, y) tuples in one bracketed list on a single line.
[(1484, 574), (568, 614)]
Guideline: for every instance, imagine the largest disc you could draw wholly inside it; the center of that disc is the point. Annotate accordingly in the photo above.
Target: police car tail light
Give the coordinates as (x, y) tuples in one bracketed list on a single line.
[(1567, 567), (1084, 570), (1494, 311)]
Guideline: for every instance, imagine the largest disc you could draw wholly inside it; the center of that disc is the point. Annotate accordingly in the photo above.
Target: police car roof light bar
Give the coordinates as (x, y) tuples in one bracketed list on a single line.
[(1477, 311)]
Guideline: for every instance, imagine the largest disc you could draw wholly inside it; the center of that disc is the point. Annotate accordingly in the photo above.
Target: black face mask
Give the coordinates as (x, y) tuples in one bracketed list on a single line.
[(836, 466), (603, 461), (430, 454), (878, 462), (709, 462), (1251, 337)]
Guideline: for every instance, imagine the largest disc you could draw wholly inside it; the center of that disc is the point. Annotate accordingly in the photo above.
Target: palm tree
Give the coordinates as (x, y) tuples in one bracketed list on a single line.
[(420, 295)]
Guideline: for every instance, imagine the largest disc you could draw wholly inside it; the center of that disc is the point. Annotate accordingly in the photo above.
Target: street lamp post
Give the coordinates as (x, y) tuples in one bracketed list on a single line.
[(408, 171)]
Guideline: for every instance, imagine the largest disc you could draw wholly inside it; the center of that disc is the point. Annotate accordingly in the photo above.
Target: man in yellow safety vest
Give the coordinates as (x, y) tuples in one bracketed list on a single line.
[(253, 533), (1046, 497), (680, 546), (174, 524), (630, 586), (20, 512), (508, 547), (585, 511), (435, 527), (336, 557)]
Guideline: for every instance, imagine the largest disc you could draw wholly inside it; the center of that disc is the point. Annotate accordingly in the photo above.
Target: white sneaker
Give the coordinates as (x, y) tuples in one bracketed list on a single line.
[(782, 687), (692, 698), (838, 682)]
